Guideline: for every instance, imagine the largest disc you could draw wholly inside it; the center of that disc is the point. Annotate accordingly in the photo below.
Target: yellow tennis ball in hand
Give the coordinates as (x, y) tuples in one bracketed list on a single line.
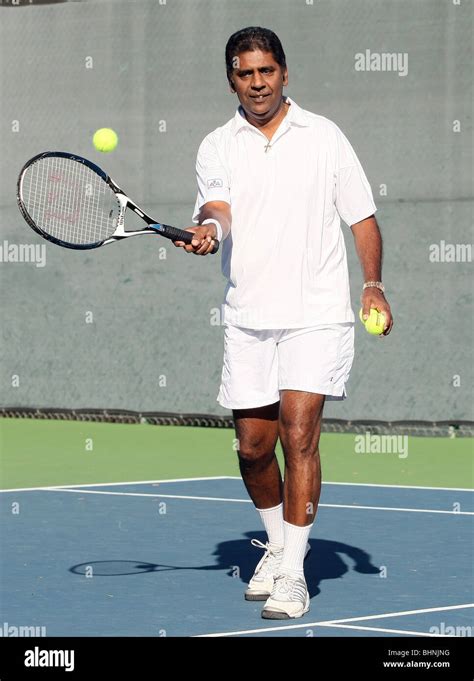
[(105, 139), (375, 323)]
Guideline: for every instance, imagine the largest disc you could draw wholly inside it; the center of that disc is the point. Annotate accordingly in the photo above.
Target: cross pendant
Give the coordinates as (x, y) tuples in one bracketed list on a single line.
[(267, 147)]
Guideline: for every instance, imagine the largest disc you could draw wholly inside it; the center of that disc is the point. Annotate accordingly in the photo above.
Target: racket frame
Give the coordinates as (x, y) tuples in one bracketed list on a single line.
[(123, 201)]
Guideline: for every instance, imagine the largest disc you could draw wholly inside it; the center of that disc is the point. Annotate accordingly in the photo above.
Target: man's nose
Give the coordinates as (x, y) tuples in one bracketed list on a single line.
[(258, 83)]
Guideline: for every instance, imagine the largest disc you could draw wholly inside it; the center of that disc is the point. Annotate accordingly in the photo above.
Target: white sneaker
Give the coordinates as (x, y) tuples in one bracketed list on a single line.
[(261, 584), (289, 598)]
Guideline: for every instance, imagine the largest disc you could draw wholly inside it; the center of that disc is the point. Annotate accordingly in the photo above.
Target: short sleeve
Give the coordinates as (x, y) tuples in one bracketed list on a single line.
[(354, 200), (212, 177)]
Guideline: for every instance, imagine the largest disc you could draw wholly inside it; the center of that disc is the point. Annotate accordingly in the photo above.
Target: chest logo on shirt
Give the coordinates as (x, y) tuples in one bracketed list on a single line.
[(214, 182)]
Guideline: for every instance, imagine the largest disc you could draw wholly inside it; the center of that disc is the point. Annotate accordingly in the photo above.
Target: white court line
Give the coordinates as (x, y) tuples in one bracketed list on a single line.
[(248, 501), (375, 484), (140, 494), (327, 623), (385, 631), (115, 484), (404, 613), (395, 508)]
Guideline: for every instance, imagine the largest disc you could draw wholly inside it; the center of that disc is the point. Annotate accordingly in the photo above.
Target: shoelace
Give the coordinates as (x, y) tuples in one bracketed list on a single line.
[(267, 563), (285, 585)]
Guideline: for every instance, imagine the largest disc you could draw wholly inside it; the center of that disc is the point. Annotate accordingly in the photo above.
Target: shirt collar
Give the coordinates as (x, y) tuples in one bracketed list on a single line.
[(295, 116)]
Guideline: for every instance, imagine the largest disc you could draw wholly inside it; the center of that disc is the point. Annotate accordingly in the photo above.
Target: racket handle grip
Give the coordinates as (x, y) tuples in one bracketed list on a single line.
[(176, 234)]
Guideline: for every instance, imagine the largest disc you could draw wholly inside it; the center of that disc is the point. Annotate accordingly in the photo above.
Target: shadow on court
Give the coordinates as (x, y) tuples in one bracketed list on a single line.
[(322, 563), (239, 559)]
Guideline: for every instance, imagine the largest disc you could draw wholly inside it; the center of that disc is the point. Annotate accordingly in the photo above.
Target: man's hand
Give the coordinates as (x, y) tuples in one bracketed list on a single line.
[(203, 242), (372, 297)]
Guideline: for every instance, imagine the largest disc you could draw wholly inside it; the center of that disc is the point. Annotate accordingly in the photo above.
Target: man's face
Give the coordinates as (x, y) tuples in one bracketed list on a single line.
[(258, 81)]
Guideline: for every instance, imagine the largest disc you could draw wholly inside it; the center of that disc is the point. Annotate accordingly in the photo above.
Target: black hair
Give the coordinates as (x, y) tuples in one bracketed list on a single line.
[(250, 39)]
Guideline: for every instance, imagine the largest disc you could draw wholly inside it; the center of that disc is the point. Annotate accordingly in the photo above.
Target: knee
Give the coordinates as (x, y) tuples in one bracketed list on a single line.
[(255, 450), (299, 440)]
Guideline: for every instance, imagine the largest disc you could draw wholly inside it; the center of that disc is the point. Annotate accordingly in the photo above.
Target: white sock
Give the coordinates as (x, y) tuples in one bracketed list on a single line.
[(295, 540), (272, 519)]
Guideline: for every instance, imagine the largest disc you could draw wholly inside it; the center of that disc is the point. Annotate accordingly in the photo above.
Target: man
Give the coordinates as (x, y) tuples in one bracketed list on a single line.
[(273, 184)]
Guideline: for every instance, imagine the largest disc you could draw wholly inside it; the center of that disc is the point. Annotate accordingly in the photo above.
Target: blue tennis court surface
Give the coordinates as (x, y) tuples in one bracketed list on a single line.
[(172, 558)]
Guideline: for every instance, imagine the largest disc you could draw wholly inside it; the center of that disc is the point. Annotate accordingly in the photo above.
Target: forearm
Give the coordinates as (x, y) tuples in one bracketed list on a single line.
[(217, 210), (368, 243)]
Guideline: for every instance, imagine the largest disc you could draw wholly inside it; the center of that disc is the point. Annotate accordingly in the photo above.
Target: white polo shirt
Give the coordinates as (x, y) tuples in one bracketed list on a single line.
[(285, 258)]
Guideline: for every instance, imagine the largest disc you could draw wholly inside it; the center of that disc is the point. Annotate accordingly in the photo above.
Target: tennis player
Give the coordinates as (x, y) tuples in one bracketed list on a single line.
[(274, 183)]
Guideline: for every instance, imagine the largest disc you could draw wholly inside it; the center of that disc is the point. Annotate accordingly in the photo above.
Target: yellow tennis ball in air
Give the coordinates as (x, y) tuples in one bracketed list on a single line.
[(105, 139), (375, 322)]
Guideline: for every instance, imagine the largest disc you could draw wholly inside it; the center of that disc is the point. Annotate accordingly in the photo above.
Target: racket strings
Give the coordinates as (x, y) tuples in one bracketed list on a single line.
[(69, 201)]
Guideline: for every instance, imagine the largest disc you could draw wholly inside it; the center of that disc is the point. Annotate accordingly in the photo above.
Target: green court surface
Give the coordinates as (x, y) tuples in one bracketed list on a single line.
[(38, 453)]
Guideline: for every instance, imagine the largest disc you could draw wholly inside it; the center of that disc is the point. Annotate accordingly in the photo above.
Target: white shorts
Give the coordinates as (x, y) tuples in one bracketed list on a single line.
[(260, 363)]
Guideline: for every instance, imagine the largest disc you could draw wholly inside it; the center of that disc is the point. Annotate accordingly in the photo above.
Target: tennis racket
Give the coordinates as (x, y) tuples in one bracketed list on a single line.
[(73, 203)]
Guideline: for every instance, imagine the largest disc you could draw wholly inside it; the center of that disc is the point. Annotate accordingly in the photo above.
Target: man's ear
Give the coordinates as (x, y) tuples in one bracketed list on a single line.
[(285, 77), (231, 86)]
